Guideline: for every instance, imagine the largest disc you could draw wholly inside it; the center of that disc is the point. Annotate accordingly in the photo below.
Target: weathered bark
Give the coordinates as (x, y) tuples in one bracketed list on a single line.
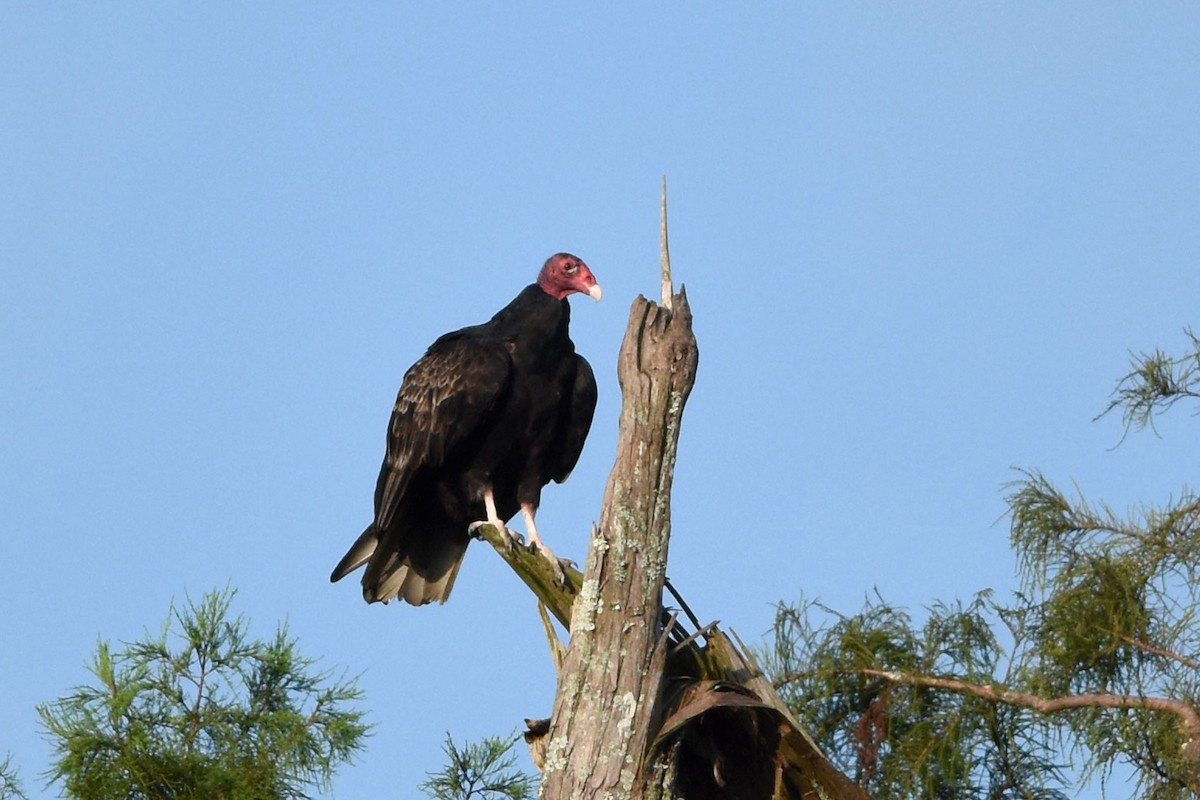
[(610, 693)]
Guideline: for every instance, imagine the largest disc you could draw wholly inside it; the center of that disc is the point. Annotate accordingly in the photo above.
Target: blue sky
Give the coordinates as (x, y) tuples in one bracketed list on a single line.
[(919, 240)]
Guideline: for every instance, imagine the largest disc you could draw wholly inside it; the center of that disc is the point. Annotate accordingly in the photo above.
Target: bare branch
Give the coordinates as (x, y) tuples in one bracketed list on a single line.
[(537, 573), (1188, 715), (1190, 663)]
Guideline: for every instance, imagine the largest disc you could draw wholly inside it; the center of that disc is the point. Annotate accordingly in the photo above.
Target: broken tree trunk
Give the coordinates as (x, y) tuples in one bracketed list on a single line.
[(645, 709), (611, 685)]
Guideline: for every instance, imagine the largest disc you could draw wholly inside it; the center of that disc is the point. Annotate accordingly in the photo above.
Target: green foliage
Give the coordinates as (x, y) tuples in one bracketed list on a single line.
[(1155, 383), (904, 741), (10, 784), (1092, 662), (201, 711), (485, 770)]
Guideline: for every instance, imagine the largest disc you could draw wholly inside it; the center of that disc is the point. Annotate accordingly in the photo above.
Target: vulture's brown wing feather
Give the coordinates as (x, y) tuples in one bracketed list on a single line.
[(444, 399)]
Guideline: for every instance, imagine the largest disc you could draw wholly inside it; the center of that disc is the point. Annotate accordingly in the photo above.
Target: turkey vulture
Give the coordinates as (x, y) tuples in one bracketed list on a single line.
[(486, 418)]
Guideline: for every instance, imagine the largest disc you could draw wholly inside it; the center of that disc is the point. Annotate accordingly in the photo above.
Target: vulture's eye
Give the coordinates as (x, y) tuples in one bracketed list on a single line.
[(572, 268)]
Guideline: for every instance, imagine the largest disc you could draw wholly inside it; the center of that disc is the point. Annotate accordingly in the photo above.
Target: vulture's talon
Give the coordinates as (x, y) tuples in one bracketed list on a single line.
[(560, 575), (556, 564), (508, 536)]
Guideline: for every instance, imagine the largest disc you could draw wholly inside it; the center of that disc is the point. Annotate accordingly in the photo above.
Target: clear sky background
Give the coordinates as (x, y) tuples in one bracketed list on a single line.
[(919, 240)]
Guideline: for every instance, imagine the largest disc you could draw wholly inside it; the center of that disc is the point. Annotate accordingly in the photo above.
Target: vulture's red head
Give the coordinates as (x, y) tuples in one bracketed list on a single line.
[(564, 274)]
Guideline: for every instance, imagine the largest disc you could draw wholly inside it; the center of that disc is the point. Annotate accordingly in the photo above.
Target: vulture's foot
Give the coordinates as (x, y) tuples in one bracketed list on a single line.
[(508, 536), (557, 565)]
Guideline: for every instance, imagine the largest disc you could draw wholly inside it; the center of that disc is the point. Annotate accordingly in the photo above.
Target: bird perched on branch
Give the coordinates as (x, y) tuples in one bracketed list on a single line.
[(485, 419)]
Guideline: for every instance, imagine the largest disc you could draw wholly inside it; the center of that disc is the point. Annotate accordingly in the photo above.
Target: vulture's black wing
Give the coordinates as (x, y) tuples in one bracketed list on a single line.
[(444, 400), (579, 419)]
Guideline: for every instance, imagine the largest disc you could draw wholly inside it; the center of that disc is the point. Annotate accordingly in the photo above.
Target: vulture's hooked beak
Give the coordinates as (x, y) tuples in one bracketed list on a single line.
[(596, 292)]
